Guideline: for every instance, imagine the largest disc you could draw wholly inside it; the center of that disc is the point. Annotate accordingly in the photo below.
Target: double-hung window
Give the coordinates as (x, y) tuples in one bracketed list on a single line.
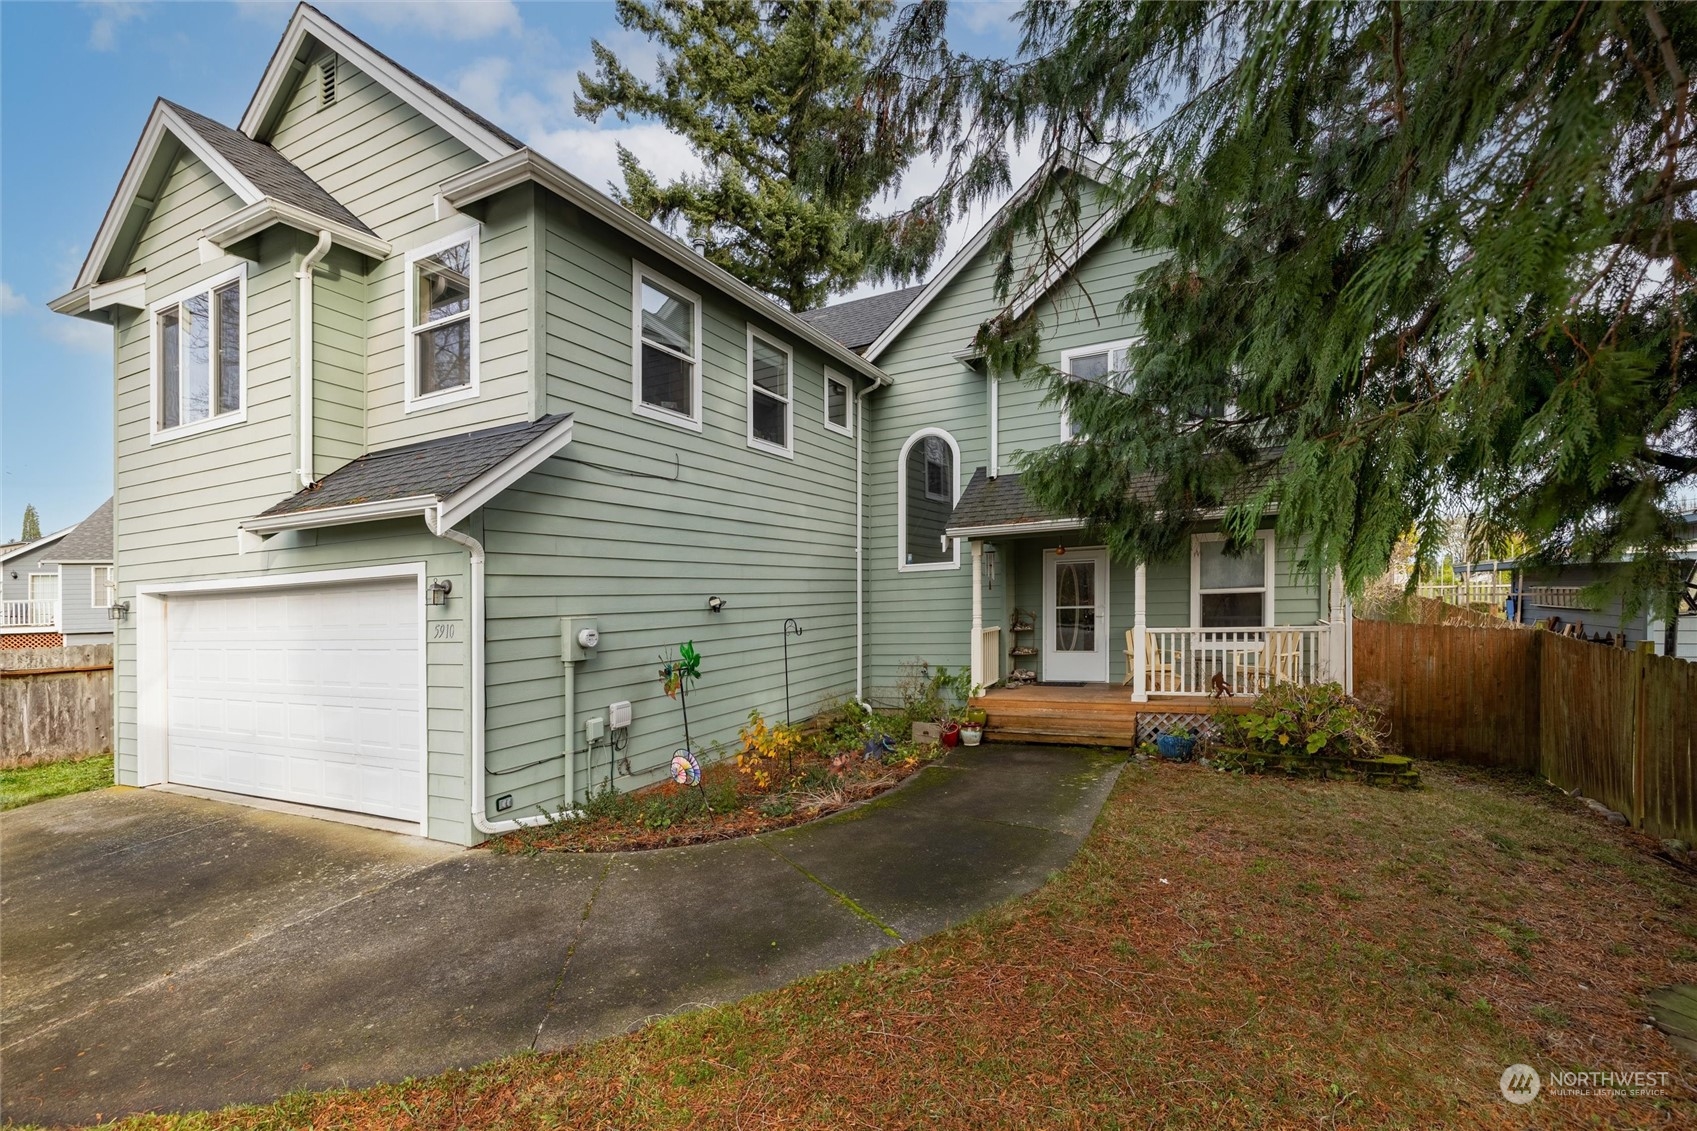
[(441, 359), (769, 402), (1104, 364), (199, 345), (839, 405), (101, 587), (1232, 591), (666, 384)]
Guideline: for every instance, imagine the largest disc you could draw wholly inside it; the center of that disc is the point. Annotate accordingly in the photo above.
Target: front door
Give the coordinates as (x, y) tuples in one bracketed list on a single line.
[(1075, 616)]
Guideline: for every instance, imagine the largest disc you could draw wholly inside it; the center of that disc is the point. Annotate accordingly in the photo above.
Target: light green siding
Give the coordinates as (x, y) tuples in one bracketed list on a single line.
[(928, 614), (338, 361), (179, 500), (640, 522)]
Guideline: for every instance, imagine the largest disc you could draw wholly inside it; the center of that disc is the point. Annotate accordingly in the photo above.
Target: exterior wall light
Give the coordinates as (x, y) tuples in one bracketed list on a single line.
[(118, 610), (715, 604), (439, 590)]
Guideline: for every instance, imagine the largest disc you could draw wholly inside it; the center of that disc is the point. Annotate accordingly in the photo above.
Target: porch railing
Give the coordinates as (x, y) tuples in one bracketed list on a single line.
[(27, 614), (1244, 661)]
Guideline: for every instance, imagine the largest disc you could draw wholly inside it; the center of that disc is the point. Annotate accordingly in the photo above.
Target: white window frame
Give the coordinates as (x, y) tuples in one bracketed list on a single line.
[(847, 427), (1067, 357), (902, 565), (413, 401), (100, 592), (157, 434), (787, 448), (692, 422), (1269, 560)]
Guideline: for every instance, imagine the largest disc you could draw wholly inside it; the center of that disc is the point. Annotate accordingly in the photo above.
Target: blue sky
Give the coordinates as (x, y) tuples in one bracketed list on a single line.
[(76, 83)]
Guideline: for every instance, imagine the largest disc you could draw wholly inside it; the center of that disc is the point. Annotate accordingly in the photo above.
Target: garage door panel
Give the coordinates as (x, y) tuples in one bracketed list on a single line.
[(307, 695)]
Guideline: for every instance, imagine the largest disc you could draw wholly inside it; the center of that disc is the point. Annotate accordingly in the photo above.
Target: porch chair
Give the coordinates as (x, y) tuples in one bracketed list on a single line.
[(1284, 656), (1165, 670)]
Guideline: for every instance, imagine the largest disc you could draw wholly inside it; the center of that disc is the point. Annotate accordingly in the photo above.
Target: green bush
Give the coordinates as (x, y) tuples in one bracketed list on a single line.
[(1296, 728)]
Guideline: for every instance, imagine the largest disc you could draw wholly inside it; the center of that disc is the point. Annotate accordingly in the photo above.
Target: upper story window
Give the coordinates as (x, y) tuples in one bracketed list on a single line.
[(1231, 592), (199, 343), (839, 405), (769, 402), (102, 587), (1104, 363), (666, 382), (441, 361), (927, 484)]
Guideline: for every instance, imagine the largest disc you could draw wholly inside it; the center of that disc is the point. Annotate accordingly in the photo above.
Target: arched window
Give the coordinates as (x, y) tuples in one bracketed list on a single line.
[(928, 483)]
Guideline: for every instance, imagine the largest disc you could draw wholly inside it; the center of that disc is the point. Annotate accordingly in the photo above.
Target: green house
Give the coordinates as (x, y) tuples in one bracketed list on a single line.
[(428, 454)]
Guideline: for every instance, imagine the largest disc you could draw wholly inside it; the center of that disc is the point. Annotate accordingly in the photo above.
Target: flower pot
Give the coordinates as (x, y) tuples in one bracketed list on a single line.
[(1175, 747), (971, 734), (951, 734)]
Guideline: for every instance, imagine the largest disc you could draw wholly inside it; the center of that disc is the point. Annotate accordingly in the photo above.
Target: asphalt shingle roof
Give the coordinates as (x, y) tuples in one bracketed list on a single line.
[(271, 173), (1002, 501), (440, 468), (91, 541), (857, 323)]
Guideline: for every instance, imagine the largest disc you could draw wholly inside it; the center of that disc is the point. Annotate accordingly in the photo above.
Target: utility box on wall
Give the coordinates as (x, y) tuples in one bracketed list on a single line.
[(579, 637)]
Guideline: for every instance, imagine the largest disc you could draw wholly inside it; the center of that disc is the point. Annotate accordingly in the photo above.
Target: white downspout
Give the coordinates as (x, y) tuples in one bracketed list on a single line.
[(479, 801), (303, 280), (860, 544)]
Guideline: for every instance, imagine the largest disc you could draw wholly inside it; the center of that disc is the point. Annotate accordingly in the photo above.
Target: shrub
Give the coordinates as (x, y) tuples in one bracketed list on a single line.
[(767, 751), (1296, 727)]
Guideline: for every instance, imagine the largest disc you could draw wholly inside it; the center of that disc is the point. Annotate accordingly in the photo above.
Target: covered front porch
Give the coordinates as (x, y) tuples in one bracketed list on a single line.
[(1050, 611)]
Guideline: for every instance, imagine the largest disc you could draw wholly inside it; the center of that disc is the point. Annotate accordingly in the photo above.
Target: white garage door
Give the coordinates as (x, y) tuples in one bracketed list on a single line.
[(308, 694)]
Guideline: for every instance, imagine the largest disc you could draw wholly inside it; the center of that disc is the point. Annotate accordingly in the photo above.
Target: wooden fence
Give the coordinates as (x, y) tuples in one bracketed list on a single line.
[(1619, 726), (55, 703)]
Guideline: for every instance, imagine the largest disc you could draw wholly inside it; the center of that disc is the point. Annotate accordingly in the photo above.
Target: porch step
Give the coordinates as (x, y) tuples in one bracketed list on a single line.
[(1051, 737)]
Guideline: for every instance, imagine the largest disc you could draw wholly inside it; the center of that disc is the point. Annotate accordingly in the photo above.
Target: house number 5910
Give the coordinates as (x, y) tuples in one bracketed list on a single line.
[(445, 630)]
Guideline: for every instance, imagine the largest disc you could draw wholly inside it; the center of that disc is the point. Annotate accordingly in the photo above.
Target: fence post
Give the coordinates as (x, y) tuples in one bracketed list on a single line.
[(1640, 726)]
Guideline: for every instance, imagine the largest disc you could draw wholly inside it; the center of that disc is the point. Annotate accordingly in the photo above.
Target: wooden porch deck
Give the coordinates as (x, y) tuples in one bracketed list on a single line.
[(1092, 714)]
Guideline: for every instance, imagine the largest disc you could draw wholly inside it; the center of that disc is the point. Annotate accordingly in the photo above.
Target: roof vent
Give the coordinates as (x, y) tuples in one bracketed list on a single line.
[(327, 81)]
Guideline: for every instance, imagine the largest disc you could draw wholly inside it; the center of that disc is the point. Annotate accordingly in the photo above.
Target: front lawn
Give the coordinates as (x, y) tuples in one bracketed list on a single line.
[(1225, 952), (53, 779)]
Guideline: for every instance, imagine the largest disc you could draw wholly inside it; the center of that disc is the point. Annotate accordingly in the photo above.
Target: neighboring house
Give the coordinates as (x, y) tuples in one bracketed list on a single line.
[(58, 589), (428, 453), (29, 593), (87, 583)]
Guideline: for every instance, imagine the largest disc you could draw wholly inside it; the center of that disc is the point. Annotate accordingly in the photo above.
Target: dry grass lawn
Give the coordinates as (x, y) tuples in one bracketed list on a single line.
[(1225, 952)]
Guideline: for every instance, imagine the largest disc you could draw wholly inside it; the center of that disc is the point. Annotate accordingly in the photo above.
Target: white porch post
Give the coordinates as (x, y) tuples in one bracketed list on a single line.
[(1337, 632), (977, 650), (1140, 637)]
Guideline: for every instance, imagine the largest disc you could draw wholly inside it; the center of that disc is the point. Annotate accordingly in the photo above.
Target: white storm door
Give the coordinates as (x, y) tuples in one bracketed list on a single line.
[(308, 694), (1075, 616)]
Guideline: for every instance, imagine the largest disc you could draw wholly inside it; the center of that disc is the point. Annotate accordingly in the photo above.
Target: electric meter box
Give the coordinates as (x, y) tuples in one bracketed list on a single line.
[(618, 714), (579, 637)]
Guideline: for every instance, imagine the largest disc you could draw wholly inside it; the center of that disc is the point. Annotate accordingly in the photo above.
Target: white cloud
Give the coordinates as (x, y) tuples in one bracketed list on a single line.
[(444, 19), (110, 15), (982, 16), (11, 302), (79, 333)]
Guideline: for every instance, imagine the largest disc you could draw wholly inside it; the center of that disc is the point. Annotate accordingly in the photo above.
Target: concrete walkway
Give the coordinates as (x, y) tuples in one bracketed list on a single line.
[(160, 952)]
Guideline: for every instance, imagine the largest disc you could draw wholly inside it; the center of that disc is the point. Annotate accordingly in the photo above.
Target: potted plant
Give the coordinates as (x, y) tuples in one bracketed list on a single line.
[(951, 734), (972, 726), (1176, 745)]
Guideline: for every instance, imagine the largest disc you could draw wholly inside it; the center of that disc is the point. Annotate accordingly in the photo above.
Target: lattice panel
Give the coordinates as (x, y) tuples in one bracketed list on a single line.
[(1152, 723), (31, 640)]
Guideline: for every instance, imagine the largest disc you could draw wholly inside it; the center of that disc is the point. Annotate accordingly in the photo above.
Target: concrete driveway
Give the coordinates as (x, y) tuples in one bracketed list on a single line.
[(160, 952)]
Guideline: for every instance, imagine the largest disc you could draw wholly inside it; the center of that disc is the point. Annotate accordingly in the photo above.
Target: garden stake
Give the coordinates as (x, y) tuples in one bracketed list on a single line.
[(790, 624)]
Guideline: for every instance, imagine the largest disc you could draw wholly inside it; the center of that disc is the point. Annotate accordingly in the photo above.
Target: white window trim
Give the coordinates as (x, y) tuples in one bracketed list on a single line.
[(1269, 559), (847, 428), (156, 434), (1084, 351), (412, 401), (693, 421), (787, 448), (902, 565), (100, 592)]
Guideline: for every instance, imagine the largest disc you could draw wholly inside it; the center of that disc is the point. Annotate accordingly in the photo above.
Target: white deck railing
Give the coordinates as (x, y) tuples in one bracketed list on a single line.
[(1185, 661), (27, 614)]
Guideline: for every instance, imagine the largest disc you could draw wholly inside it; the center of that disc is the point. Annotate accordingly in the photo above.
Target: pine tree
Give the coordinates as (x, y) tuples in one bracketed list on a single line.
[(771, 96), (1438, 256), (32, 524)]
